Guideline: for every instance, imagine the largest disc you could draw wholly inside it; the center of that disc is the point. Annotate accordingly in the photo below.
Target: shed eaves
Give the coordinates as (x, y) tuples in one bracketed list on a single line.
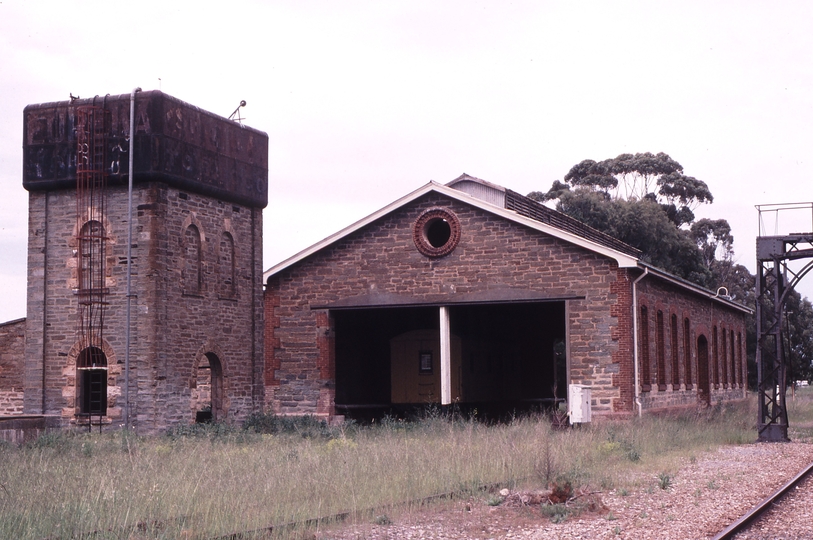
[(624, 259)]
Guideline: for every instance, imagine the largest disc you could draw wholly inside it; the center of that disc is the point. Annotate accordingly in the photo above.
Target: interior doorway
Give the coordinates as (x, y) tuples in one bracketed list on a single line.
[(208, 390)]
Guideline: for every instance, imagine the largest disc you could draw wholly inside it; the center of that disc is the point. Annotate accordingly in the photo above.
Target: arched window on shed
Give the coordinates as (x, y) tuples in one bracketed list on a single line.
[(732, 357), (740, 361), (661, 349), (715, 359), (703, 385), (687, 354), (724, 356), (673, 327), (646, 382)]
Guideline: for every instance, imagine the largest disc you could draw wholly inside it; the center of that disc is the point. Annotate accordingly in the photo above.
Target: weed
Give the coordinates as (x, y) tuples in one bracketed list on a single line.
[(307, 426), (611, 516), (664, 481), (494, 500), (712, 485), (617, 530), (623, 492), (383, 519), (643, 514)]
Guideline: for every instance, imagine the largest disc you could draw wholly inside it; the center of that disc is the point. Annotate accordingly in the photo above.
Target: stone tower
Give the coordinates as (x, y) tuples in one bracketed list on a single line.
[(200, 183)]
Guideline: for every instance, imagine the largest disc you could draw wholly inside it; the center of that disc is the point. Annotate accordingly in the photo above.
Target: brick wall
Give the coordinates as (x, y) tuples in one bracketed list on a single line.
[(493, 253), (12, 363), (704, 315)]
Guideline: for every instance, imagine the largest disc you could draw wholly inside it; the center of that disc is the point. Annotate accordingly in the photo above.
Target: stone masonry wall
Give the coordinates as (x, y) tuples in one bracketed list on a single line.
[(171, 331), (492, 253), (667, 385), (12, 365)]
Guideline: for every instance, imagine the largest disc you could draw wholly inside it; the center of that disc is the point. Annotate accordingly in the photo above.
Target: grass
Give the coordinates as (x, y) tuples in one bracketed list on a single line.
[(800, 414), (202, 482)]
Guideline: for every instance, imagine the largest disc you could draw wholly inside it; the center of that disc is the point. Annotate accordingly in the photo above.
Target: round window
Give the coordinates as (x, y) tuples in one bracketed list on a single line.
[(436, 232)]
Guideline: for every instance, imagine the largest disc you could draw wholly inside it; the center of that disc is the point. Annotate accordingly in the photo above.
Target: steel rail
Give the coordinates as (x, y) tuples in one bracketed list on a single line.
[(763, 505)]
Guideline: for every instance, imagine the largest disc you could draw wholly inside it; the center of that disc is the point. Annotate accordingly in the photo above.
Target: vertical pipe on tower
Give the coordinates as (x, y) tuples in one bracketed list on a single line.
[(129, 261)]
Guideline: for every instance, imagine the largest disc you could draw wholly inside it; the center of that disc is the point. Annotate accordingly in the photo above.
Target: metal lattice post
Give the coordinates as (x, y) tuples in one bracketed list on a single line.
[(772, 424)]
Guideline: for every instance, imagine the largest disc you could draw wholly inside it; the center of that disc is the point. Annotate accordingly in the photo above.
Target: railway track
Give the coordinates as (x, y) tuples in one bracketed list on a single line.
[(773, 501)]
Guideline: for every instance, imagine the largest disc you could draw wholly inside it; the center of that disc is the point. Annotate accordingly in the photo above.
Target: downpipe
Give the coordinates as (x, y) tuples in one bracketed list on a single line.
[(635, 340)]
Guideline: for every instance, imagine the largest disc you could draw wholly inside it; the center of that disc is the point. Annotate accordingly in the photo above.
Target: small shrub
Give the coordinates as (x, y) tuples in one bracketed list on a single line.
[(561, 491), (307, 426), (60, 441), (214, 432), (664, 480), (556, 512), (494, 500)]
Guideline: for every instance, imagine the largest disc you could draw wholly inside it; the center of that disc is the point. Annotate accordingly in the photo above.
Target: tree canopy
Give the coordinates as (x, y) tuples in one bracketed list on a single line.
[(636, 177), (647, 201)]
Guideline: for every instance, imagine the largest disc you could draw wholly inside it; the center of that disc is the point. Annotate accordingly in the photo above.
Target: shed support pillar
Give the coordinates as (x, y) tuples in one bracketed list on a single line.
[(445, 358)]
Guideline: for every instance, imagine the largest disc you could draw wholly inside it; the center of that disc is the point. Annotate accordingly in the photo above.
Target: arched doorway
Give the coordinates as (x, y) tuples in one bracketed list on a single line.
[(703, 386), (209, 388), (91, 380)]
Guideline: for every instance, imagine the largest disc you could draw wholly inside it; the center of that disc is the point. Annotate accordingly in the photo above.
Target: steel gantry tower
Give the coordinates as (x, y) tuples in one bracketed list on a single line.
[(774, 281)]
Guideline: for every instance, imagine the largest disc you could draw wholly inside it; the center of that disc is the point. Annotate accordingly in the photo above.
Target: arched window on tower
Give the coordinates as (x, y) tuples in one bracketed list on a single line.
[(91, 257), (193, 261), (227, 267), (91, 378)]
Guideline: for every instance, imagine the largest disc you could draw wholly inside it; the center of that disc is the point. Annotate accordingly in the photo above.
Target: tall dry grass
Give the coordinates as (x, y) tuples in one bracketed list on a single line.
[(800, 414), (205, 482)]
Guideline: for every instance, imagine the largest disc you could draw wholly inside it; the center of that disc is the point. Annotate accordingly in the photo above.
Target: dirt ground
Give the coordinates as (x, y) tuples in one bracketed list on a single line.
[(701, 499)]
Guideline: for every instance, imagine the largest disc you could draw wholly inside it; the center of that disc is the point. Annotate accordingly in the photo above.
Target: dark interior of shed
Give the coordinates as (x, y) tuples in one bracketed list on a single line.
[(509, 358)]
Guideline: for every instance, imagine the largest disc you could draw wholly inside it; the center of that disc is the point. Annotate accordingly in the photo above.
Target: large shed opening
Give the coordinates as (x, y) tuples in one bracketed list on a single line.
[(506, 358)]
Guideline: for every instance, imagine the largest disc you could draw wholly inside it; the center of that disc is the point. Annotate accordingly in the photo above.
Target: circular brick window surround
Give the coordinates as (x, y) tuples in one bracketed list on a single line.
[(436, 232)]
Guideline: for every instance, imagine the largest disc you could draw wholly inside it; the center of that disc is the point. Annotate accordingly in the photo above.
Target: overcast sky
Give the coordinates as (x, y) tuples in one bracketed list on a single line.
[(364, 102)]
